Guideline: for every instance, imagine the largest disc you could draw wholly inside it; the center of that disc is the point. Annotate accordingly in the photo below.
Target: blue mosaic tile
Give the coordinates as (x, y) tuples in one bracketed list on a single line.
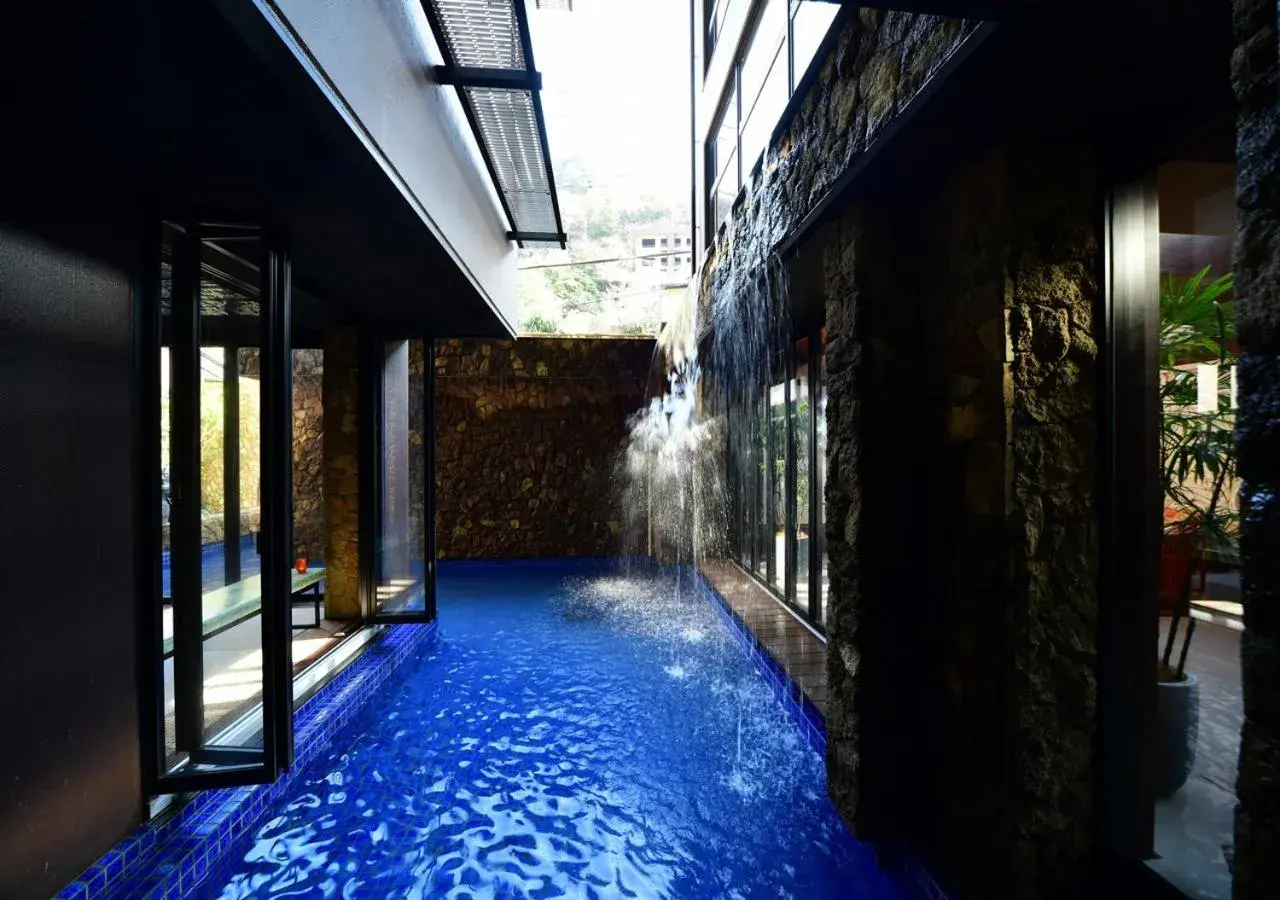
[(804, 714), (170, 857)]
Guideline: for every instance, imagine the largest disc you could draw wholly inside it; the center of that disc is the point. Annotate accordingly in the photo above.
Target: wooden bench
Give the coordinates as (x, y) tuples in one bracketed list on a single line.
[(229, 606)]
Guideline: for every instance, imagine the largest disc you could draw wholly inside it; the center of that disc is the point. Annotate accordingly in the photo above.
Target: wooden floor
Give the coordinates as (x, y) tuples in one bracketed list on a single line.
[(800, 652)]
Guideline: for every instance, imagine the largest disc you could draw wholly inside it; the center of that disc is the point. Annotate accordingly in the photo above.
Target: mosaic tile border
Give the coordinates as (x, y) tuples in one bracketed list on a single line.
[(804, 714), (168, 858), (909, 877)]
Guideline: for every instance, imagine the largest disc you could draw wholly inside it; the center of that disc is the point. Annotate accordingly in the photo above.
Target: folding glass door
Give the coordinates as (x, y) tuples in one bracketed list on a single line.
[(215, 526)]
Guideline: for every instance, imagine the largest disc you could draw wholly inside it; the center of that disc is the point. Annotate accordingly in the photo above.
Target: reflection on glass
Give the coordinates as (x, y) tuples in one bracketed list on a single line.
[(213, 406), (760, 120), (764, 536), (166, 496), (1195, 771), (725, 143), (801, 418), (778, 472), (726, 191), (229, 452), (768, 39), (401, 564), (810, 22)]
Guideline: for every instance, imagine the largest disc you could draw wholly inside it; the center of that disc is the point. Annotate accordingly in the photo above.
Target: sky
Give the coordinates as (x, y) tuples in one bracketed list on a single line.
[(615, 92)]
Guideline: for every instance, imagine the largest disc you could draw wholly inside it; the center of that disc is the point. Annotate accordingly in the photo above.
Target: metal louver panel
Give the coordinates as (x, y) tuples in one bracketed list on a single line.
[(489, 60)]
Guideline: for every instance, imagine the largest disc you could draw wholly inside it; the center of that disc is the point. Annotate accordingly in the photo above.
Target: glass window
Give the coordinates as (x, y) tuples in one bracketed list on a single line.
[(768, 39), (726, 191), (810, 21), (1199, 573), (801, 421), (725, 141), (764, 115), (820, 481), (664, 242), (646, 242), (716, 10), (763, 533), (401, 561), (215, 654), (779, 488)]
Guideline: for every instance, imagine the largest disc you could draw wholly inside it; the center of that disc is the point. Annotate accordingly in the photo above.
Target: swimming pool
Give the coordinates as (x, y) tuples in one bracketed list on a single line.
[(594, 734)]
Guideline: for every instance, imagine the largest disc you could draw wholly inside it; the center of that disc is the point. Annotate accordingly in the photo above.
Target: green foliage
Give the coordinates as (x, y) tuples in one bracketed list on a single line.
[(212, 471), (579, 288), (1197, 448), (1197, 326), (638, 328), (539, 325)]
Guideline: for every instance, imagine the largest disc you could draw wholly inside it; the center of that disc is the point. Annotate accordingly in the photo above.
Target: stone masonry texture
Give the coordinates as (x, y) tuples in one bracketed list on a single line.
[(341, 475), (528, 434), (1255, 74), (308, 455), (962, 382)]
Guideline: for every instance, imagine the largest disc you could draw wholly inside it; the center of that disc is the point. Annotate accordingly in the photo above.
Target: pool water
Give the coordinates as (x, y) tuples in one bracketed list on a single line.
[(590, 736)]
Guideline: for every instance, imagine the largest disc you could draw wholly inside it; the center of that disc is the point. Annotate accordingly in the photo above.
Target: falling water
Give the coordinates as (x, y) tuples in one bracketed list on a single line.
[(672, 477)]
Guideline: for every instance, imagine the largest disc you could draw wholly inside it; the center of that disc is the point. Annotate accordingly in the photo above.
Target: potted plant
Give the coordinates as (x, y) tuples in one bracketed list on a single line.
[(1198, 463)]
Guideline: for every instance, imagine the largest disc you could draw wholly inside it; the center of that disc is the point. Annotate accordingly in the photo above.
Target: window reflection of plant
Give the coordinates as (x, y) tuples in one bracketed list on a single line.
[(1196, 325)]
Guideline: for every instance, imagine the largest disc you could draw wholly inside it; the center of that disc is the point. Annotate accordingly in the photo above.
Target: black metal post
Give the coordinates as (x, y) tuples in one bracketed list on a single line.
[(231, 462), (184, 517), (276, 374), (368, 413), (1130, 494), (429, 481), (147, 525)]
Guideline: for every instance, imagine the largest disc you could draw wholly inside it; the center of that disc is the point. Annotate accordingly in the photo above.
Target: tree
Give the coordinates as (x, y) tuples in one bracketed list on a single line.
[(579, 288), (539, 325)]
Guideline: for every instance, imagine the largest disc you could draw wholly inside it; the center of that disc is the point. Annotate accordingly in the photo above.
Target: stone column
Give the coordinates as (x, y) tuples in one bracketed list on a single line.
[(962, 531), (1255, 74), (341, 474)]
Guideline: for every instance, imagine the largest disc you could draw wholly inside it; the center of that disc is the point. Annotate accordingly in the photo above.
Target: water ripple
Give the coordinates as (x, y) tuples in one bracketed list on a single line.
[(598, 738)]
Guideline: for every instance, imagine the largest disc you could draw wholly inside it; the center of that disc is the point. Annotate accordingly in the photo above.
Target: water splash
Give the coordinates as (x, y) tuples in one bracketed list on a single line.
[(672, 477)]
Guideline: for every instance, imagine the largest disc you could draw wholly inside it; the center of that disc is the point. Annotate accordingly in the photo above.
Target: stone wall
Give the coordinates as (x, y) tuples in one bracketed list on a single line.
[(341, 483), (1256, 78), (1021, 652), (308, 455), (961, 491), (527, 435), (878, 65)]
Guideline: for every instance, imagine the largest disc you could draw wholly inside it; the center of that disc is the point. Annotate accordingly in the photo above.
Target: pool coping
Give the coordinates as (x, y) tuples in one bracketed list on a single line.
[(908, 874), (169, 857), (804, 715)]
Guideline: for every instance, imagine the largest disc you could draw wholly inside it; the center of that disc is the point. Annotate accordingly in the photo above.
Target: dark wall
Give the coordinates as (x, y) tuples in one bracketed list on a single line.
[(527, 436), (70, 755), (1256, 77)]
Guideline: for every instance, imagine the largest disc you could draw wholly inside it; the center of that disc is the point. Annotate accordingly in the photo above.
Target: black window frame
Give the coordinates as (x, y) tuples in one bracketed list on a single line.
[(732, 90), (207, 767), (751, 453), (370, 382)]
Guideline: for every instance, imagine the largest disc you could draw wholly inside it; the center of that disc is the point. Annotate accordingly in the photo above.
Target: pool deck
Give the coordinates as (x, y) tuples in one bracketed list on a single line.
[(800, 652)]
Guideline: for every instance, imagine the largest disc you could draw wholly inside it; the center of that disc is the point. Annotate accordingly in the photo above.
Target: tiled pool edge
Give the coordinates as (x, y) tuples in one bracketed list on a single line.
[(908, 875), (168, 858), (803, 713)]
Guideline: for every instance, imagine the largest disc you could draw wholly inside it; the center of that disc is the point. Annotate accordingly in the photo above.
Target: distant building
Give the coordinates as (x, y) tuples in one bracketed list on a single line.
[(667, 248)]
